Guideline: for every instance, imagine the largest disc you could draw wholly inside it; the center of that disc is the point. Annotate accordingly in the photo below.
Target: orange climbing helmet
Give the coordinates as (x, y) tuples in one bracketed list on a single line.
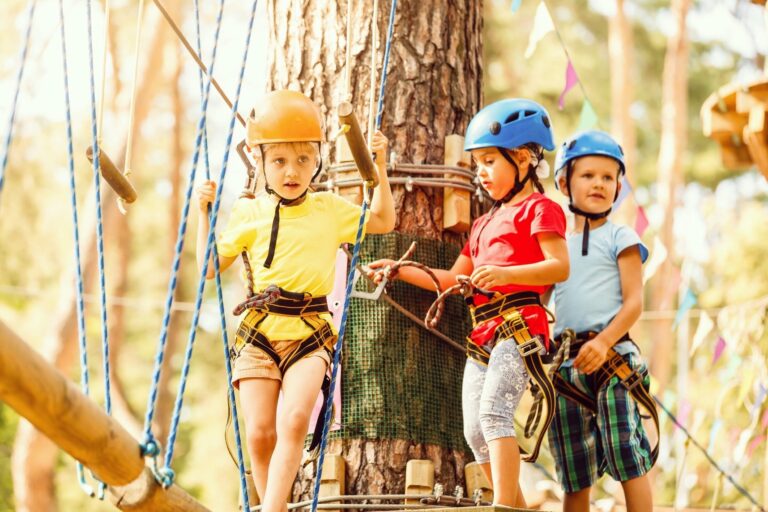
[(284, 116)]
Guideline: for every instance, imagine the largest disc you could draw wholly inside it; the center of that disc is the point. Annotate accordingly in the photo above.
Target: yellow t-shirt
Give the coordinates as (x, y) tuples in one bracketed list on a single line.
[(305, 252)]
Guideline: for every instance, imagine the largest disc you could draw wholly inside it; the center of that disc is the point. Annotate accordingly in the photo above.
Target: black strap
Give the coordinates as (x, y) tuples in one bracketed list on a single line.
[(503, 304), (583, 337), (588, 216), (273, 235)]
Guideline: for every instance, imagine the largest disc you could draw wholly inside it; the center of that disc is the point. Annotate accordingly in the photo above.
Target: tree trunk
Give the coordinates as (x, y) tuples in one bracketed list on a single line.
[(433, 89), (674, 122), (34, 456), (622, 91)]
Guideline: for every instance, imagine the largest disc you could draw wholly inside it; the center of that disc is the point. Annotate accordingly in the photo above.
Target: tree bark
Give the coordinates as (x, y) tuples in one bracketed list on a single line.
[(674, 119), (620, 45), (34, 456), (433, 89)]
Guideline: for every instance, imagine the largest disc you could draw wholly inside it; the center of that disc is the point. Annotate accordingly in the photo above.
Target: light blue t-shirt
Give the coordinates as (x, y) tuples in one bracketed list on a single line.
[(591, 296)]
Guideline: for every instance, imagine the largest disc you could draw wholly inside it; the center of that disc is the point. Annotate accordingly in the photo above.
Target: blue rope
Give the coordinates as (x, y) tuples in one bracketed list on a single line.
[(12, 117), (337, 355), (202, 90), (166, 472), (220, 297), (380, 107), (150, 446), (84, 381), (99, 231)]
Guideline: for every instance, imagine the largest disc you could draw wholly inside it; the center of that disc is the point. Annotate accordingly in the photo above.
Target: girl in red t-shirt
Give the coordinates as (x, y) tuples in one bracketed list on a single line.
[(516, 248)]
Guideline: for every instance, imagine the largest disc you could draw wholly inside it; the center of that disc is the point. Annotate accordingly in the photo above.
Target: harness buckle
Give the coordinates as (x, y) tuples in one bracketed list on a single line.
[(632, 381), (530, 347)]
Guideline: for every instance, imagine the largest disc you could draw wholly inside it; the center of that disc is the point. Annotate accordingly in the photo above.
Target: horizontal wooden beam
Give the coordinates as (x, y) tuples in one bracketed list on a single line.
[(56, 407)]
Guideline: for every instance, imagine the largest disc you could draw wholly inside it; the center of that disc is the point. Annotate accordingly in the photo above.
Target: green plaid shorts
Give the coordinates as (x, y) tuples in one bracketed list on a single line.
[(586, 445)]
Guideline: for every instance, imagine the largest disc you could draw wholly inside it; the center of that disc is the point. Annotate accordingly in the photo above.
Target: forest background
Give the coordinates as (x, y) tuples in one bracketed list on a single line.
[(715, 232)]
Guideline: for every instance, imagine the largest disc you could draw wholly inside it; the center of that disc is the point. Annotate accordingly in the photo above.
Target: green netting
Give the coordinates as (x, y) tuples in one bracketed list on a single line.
[(398, 380)]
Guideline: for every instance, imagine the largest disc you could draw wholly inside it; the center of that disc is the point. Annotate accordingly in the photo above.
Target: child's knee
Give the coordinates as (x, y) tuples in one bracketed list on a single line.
[(295, 421), (261, 437), (496, 425)]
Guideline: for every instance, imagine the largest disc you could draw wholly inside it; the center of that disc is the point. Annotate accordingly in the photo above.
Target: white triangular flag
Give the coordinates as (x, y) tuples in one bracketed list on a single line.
[(705, 327), (658, 255), (542, 25)]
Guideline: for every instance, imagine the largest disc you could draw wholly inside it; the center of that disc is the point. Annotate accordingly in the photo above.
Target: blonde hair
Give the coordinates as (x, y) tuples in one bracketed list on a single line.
[(310, 147)]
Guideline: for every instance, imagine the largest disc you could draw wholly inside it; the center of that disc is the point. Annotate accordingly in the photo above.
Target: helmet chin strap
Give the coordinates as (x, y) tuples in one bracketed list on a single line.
[(519, 184), (280, 202)]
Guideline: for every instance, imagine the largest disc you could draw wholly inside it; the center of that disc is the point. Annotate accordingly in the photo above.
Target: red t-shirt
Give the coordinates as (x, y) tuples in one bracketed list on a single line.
[(508, 238)]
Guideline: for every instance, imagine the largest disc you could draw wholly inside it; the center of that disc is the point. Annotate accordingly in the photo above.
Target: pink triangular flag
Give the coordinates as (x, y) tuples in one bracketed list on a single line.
[(641, 221), (571, 79), (754, 444), (719, 348)]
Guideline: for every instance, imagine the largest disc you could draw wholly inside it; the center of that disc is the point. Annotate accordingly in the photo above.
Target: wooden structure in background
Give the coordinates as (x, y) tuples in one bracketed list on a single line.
[(56, 407), (736, 116)]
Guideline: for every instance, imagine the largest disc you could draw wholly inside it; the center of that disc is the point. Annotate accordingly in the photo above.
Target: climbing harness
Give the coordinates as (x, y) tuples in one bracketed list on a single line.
[(513, 327), (277, 301), (614, 366)]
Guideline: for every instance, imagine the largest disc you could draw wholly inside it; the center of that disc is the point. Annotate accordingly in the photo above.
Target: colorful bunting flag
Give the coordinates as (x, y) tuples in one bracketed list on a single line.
[(542, 25), (719, 348), (571, 79), (754, 444), (626, 189), (641, 221), (658, 256), (713, 433), (588, 118), (705, 327), (683, 410), (686, 303)]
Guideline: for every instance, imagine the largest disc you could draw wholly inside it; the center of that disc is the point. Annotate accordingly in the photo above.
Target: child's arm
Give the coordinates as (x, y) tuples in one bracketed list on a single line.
[(553, 268), (205, 196), (382, 218), (417, 277), (593, 353)]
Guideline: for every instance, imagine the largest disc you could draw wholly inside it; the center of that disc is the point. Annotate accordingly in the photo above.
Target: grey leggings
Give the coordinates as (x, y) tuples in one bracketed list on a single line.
[(490, 396)]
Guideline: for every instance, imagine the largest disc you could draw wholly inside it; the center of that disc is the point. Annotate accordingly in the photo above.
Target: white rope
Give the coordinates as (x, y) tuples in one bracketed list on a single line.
[(132, 108), (374, 51), (348, 57), (103, 71)]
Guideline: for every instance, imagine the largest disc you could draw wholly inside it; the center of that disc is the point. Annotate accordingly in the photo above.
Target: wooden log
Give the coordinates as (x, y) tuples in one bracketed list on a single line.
[(721, 126), (344, 154), (333, 482), (419, 477), (112, 175), (753, 95), (360, 151), (144, 494), (456, 202), (756, 137), (476, 479), (735, 157), (55, 406)]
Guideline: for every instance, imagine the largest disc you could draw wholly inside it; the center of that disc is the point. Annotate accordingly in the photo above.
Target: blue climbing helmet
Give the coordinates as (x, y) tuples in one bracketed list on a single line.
[(509, 124), (587, 143)]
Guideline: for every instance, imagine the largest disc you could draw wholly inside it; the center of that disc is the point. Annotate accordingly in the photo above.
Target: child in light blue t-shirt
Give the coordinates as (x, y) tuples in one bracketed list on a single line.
[(600, 302)]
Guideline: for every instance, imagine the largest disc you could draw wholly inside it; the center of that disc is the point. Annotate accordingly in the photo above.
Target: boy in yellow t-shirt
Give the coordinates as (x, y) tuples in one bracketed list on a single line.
[(288, 238)]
